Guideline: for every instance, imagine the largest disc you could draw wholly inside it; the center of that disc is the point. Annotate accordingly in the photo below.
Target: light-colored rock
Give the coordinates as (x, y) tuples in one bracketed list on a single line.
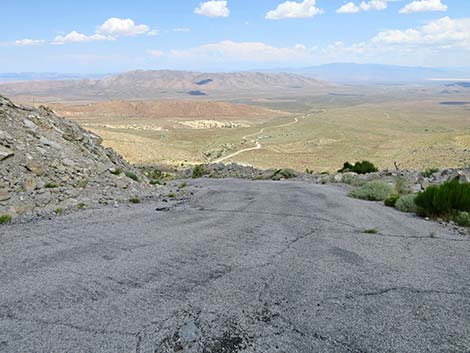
[(29, 185), (5, 153), (49, 143), (4, 195)]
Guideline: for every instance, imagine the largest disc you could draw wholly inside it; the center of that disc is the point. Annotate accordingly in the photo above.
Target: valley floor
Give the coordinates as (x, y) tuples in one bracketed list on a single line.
[(242, 266)]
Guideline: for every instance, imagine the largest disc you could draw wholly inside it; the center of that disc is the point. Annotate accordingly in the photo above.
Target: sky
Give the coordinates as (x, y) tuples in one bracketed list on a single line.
[(114, 36)]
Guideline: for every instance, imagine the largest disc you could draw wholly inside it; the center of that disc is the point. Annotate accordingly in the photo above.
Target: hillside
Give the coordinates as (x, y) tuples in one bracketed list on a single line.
[(163, 109), (51, 164), (153, 84)]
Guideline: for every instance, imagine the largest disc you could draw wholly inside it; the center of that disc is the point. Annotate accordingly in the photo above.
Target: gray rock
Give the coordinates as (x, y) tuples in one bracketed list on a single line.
[(4, 195), (5, 153)]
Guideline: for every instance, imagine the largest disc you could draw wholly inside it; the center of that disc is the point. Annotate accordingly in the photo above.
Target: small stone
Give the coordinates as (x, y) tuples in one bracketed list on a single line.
[(29, 185), (50, 143), (30, 125), (35, 167), (5, 153), (4, 195)]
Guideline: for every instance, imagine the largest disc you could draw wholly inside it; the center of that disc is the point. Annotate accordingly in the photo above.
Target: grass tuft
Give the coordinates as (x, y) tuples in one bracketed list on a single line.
[(4, 219), (375, 190), (132, 175)]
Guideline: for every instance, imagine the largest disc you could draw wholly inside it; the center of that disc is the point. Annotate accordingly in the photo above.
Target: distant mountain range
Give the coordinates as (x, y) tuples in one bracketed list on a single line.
[(45, 76), (155, 84), (376, 73)]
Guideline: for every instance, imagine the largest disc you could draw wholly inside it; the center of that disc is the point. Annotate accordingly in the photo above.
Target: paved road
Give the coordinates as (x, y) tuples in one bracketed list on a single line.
[(243, 267)]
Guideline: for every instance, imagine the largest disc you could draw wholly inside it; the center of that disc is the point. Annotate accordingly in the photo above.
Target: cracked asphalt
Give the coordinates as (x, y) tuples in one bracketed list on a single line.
[(241, 266)]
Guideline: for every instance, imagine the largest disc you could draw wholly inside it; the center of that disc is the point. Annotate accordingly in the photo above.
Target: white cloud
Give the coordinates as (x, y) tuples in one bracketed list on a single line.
[(445, 33), (242, 51), (181, 29), (29, 42), (112, 29), (156, 53), (424, 6), (213, 8), (117, 27), (153, 32), (76, 37), (372, 5), (350, 7), (292, 9)]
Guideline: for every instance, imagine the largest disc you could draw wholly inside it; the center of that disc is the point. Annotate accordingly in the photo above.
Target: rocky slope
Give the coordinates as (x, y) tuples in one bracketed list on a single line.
[(50, 164)]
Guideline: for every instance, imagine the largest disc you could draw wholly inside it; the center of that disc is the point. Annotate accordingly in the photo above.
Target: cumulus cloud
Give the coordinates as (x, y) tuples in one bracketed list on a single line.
[(117, 27), (372, 5), (111, 29), (292, 9), (29, 42), (424, 6), (242, 51), (76, 37), (213, 8), (444, 32)]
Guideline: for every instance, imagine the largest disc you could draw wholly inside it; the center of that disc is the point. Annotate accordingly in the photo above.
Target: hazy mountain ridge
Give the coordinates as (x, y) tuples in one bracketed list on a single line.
[(152, 84)]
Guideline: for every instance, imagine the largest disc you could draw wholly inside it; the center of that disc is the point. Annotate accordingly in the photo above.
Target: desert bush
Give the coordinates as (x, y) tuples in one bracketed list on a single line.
[(283, 174), (444, 200), (353, 180), (391, 200), (375, 190), (371, 231), (58, 211), (134, 200), (363, 167), (406, 203), (154, 174), (198, 171), (402, 187), (132, 175), (429, 172), (81, 206), (6, 218), (116, 171), (462, 219), (182, 185), (51, 185)]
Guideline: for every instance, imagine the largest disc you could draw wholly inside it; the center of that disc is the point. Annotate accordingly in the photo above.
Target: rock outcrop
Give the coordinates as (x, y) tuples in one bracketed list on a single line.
[(50, 164)]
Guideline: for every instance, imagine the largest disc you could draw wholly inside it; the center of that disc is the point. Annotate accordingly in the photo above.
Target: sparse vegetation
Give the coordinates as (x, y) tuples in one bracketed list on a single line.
[(132, 175), (58, 211), (198, 171), (363, 167), (155, 182), (353, 180), (406, 204), (371, 231), (116, 171), (183, 185), (82, 183), (51, 185), (391, 200), (444, 200), (6, 218), (375, 190), (171, 195), (134, 200), (283, 174), (429, 172), (81, 206), (462, 219), (401, 186)]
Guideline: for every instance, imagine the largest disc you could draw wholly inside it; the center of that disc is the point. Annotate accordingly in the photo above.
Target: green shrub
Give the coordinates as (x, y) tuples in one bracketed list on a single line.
[(171, 195), (375, 190), (134, 200), (363, 167), (155, 182), (429, 172), (51, 185), (371, 231), (81, 206), (154, 174), (353, 180), (58, 211), (406, 204), (198, 171), (402, 187), (132, 176), (444, 200), (183, 185), (116, 171), (283, 174), (391, 200), (462, 219), (6, 218)]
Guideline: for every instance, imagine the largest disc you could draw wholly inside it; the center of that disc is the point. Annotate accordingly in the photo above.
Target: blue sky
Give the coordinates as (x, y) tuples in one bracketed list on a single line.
[(111, 36)]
